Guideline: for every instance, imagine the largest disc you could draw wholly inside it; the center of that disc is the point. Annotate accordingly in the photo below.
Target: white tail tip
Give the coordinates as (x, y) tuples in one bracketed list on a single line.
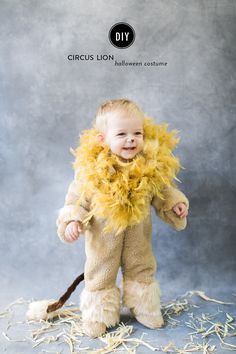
[(37, 311)]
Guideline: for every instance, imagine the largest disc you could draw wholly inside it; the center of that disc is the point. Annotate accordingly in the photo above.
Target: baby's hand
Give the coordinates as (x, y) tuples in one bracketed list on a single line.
[(180, 209), (73, 230)]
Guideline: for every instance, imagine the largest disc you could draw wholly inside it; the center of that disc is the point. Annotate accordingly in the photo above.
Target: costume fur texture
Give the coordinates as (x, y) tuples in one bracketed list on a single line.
[(144, 302), (37, 311), (101, 306), (112, 200)]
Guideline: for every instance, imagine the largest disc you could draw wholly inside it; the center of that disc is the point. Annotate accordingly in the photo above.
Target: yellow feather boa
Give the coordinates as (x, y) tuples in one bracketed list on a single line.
[(120, 192)]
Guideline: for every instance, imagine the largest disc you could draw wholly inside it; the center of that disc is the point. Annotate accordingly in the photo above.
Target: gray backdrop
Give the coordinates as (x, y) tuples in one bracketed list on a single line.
[(47, 100)]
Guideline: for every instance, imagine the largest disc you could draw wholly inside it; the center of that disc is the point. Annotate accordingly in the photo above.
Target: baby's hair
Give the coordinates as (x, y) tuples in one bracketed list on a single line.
[(119, 105)]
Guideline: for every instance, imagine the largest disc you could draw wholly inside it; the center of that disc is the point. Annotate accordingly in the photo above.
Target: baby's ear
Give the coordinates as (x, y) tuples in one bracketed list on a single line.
[(100, 138)]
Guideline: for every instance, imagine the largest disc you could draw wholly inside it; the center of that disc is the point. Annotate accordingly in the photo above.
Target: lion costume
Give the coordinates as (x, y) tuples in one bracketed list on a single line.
[(112, 198)]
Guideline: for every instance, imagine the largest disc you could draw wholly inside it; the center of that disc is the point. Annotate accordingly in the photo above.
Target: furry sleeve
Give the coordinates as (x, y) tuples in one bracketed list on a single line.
[(163, 207), (69, 213)]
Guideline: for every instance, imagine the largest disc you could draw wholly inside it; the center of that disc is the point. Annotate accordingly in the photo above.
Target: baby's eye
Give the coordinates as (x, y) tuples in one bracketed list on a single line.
[(121, 134), (138, 133)]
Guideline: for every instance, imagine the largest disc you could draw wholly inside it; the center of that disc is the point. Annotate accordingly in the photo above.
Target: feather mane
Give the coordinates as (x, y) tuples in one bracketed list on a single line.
[(120, 192)]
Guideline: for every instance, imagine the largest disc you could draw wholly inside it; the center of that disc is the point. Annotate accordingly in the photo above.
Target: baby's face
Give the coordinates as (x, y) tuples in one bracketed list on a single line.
[(124, 135)]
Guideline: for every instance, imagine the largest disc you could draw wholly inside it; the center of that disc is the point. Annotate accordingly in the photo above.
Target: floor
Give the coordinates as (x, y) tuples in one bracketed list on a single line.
[(184, 317)]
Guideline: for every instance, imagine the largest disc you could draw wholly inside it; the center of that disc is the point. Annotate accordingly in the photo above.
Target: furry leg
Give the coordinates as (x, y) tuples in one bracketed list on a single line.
[(100, 309), (144, 302)]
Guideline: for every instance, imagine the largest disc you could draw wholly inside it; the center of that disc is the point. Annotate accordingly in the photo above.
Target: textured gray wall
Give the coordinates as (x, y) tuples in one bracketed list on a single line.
[(46, 101)]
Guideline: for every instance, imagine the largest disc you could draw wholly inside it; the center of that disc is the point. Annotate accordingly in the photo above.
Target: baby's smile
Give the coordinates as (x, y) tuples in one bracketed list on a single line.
[(129, 148)]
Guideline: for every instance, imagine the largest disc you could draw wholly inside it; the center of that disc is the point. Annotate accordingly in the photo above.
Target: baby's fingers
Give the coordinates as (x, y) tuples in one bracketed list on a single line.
[(177, 210), (74, 230), (184, 214), (70, 237), (74, 237)]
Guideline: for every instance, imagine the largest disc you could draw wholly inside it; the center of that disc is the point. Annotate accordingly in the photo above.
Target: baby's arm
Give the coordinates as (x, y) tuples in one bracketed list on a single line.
[(167, 209), (70, 217)]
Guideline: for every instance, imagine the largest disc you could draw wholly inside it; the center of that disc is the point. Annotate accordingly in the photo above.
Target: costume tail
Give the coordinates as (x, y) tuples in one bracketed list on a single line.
[(58, 304), (47, 309)]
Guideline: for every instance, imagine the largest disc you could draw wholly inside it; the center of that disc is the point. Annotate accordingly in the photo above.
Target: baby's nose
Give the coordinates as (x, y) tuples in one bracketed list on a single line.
[(131, 139)]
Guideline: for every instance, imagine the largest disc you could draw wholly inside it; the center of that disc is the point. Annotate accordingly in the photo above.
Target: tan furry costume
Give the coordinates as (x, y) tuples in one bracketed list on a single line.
[(112, 200)]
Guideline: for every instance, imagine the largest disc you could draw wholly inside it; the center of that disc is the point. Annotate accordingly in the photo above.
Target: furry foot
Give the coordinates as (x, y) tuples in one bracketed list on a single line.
[(150, 321), (94, 329), (144, 302)]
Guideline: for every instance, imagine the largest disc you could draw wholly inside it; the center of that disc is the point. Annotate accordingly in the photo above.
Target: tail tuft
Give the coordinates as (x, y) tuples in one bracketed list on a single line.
[(37, 311)]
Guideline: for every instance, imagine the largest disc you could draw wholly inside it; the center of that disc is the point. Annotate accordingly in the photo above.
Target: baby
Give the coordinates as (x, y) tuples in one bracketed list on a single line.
[(123, 166)]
